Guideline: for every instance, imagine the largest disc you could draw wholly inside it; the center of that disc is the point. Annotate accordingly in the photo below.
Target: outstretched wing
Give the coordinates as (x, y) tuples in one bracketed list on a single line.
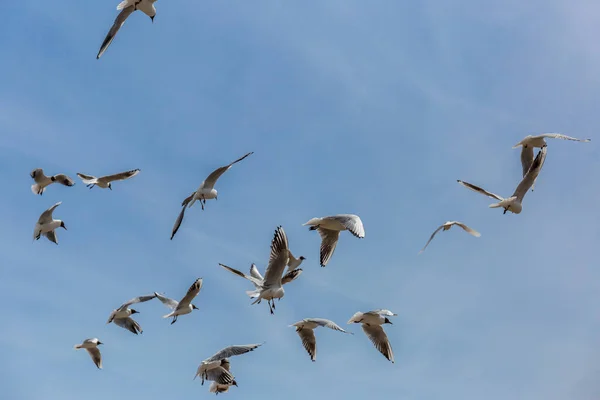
[(231, 351), (255, 273), (46, 216), (128, 323), (308, 341), (51, 235), (120, 176), (526, 158), (467, 229), (257, 282), (94, 352), (86, 179), (479, 190), (191, 293), (352, 222), (564, 137), (170, 303), (278, 259), (291, 276), (178, 222), (431, 238), (531, 175), (327, 324), (379, 339), (209, 182), (329, 241), (119, 21), (64, 180), (139, 299)]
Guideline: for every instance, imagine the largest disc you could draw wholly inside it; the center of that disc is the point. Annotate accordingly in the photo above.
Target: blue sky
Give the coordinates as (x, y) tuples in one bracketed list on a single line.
[(373, 108)]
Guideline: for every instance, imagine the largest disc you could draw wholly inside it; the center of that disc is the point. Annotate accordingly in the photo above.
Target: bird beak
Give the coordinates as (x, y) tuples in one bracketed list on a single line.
[(152, 18), (100, 342), (65, 228)]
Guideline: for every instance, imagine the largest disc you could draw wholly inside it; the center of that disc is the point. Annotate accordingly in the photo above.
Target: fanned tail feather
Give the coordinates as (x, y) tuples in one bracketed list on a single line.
[(35, 188), (169, 315), (252, 293)]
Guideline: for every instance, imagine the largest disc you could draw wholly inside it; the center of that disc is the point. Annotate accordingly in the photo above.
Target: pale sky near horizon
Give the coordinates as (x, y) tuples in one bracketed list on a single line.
[(372, 108)]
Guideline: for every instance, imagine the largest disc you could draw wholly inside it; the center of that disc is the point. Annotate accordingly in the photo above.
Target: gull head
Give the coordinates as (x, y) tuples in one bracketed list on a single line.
[(62, 225), (302, 258)]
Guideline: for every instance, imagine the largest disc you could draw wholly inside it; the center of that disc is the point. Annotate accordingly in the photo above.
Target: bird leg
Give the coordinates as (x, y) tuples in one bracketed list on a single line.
[(270, 308), (202, 202), (174, 319), (505, 210)]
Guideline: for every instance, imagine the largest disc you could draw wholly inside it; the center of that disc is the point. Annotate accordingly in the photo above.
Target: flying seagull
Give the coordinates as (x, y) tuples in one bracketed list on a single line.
[(127, 7), (305, 330), (216, 387), (184, 306), (212, 369), (42, 181), (514, 203), (206, 191), (372, 322), (529, 142), (330, 227), (257, 279), (91, 345), (446, 226), (122, 315), (105, 181), (46, 225)]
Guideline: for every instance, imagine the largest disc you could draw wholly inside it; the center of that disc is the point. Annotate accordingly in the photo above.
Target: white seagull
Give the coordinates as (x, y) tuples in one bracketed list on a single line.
[(206, 191), (122, 315), (91, 345), (270, 288), (105, 181), (42, 181), (514, 203), (305, 330), (372, 322), (446, 226), (257, 279), (529, 142), (46, 225), (127, 7), (184, 306), (213, 368), (330, 227)]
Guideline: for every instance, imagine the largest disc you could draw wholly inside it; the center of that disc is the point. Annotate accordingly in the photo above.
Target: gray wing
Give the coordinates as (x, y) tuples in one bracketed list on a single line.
[(564, 137), (256, 282), (526, 158), (191, 293), (531, 175), (51, 236), (379, 339), (291, 276), (209, 182), (185, 201), (47, 215), (64, 180), (94, 352), (120, 176), (219, 375), (231, 351), (467, 229), (479, 190), (139, 299), (329, 241), (255, 273), (327, 324), (381, 311), (129, 324), (431, 238), (278, 259), (353, 223), (178, 222), (119, 21), (172, 304), (308, 341)]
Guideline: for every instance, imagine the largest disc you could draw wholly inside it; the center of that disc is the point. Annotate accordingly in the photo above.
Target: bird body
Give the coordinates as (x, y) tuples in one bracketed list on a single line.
[(329, 229), (91, 345)]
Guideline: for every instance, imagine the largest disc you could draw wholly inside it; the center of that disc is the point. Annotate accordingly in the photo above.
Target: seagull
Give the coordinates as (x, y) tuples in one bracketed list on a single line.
[(216, 387), (257, 279), (122, 315), (104, 181), (91, 345), (46, 225), (514, 203), (213, 369), (206, 191), (270, 287), (305, 330), (446, 226), (372, 322), (42, 181), (184, 306), (127, 7), (529, 142), (330, 227), (293, 262)]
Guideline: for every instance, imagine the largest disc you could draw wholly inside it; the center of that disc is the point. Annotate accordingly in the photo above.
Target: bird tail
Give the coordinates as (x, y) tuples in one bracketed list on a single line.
[(253, 293), (169, 315), (78, 346), (36, 189), (504, 203)]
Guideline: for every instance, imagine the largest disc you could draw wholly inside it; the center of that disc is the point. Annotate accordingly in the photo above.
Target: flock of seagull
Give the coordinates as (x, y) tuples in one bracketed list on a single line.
[(269, 287)]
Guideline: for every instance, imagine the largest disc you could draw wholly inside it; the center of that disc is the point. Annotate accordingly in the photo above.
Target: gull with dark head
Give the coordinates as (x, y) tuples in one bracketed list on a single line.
[(270, 288), (446, 226), (530, 142), (46, 225), (42, 181), (206, 191), (305, 330), (216, 387), (372, 322), (216, 368), (122, 315), (91, 345), (514, 203), (127, 7), (105, 181), (330, 227), (184, 306)]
